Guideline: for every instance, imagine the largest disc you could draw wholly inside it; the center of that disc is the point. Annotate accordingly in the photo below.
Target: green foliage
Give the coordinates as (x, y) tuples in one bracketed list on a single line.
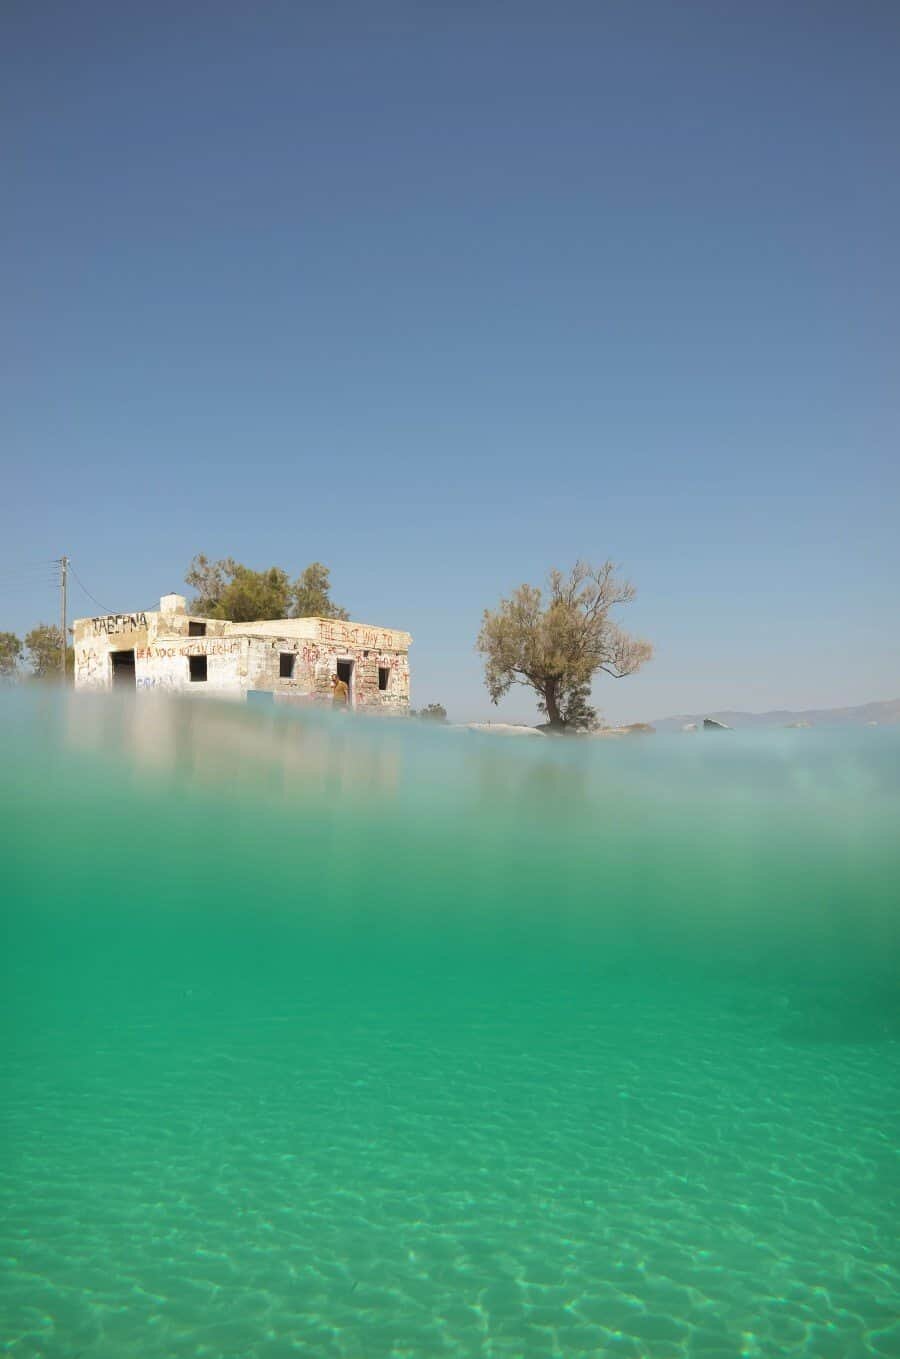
[(209, 580), (227, 589), (311, 595), (575, 707), (10, 654), (432, 712), (43, 645), (556, 646)]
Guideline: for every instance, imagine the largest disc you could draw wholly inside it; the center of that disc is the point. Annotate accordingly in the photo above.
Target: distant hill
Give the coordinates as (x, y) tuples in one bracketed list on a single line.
[(885, 714)]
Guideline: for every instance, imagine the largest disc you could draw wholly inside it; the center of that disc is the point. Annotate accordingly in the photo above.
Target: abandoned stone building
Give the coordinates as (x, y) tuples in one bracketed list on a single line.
[(276, 660)]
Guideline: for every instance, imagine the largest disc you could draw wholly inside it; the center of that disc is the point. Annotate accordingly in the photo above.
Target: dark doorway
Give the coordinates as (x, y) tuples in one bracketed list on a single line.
[(286, 665), (345, 673), (384, 676), (123, 669), (198, 669)]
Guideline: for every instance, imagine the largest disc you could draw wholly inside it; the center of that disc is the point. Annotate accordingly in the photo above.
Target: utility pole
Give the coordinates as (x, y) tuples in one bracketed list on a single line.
[(63, 610)]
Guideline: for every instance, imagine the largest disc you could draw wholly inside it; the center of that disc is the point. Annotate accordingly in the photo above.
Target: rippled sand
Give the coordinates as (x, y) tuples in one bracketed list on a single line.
[(409, 1049), (634, 1174)]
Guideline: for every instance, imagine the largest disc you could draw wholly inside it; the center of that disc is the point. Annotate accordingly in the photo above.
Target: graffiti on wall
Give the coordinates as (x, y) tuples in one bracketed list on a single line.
[(308, 652), (89, 664), (353, 634), (113, 623), (197, 647)]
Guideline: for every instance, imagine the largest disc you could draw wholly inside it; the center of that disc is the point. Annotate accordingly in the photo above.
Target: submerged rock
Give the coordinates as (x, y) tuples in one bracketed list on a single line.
[(504, 728), (633, 729), (710, 724)]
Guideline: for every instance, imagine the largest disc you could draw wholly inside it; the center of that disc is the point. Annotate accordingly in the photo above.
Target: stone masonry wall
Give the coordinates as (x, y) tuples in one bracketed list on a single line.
[(162, 647), (245, 657), (314, 663)]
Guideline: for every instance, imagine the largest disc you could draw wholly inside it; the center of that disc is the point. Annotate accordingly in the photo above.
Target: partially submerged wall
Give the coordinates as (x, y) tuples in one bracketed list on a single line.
[(298, 665), (293, 659), (162, 647)]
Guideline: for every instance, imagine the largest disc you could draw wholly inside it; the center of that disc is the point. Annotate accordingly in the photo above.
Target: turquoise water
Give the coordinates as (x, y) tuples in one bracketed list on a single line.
[(337, 1038)]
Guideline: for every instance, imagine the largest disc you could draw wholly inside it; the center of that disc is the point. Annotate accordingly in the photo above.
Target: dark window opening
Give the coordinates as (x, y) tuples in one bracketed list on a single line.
[(123, 669), (286, 665), (198, 669), (196, 629), (384, 674)]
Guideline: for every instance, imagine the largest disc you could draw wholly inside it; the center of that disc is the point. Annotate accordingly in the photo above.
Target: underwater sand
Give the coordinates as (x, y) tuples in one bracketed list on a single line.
[(371, 1041)]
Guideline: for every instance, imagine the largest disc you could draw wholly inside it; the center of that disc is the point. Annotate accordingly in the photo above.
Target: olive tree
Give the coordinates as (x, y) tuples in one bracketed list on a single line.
[(43, 645), (228, 589), (10, 654), (432, 712), (557, 643), (311, 595)]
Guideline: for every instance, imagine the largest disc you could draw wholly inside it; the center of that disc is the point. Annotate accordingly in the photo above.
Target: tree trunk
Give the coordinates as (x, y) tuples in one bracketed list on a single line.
[(554, 716)]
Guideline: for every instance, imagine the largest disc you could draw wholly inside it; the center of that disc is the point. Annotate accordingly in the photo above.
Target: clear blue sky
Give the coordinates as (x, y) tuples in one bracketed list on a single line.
[(445, 295)]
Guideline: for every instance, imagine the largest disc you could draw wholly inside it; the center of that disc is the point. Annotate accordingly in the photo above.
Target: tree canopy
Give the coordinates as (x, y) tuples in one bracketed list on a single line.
[(557, 644), (43, 645), (10, 654), (227, 589), (432, 712), (311, 595)]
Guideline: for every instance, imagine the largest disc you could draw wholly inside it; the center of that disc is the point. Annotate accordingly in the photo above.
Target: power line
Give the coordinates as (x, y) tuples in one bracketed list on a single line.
[(28, 597), (27, 568), (17, 581), (33, 573), (10, 567), (12, 589), (91, 597), (36, 561), (21, 586)]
